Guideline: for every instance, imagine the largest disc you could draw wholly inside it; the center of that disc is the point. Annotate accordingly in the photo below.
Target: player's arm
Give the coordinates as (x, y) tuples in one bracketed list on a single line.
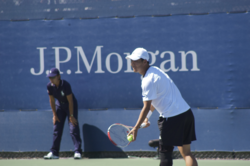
[(142, 116), (71, 105), (71, 109), (52, 104), (53, 107), (146, 121), (152, 108)]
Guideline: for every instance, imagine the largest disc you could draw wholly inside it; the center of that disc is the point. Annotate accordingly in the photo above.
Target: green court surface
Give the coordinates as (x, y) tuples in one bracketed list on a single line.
[(115, 162)]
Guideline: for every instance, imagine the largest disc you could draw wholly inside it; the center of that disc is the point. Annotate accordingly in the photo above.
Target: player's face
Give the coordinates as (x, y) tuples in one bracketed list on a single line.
[(55, 80), (137, 65)]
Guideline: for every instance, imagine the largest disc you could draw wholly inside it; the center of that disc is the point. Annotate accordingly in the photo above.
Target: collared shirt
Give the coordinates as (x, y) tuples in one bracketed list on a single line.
[(60, 93), (166, 97)]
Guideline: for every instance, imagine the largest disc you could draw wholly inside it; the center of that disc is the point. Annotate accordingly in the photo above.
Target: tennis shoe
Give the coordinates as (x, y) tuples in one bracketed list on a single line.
[(77, 156), (50, 156)]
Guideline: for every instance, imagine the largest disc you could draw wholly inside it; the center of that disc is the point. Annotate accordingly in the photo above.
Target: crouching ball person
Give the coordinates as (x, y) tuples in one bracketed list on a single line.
[(64, 107), (176, 121)]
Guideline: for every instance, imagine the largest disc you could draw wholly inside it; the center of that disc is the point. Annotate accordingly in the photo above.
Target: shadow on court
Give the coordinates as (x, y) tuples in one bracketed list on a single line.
[(98, 145)]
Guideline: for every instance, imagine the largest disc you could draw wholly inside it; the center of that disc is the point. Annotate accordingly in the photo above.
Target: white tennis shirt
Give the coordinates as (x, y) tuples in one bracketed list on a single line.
[(166, 97)]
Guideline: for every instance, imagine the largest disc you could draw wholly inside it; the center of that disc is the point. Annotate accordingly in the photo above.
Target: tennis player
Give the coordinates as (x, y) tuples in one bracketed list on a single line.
[(176, 121), (65, 106)]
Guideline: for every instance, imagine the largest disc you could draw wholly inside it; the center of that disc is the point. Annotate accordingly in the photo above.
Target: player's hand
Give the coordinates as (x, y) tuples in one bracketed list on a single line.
[(55, 118), (73, 120), (146, 122), (134, 133)]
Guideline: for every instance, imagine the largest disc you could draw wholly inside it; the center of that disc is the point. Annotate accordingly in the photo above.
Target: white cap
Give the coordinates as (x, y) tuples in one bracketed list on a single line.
[(138, 53)]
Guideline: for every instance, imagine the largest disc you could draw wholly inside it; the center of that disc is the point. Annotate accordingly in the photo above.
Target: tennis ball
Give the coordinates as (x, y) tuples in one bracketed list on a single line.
[(130, 138)]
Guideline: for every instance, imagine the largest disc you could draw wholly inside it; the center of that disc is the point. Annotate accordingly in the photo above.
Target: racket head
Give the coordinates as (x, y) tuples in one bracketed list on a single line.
[(117, 134)]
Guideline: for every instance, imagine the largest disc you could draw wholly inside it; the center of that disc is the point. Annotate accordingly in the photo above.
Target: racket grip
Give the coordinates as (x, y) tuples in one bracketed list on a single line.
[(143, 125)]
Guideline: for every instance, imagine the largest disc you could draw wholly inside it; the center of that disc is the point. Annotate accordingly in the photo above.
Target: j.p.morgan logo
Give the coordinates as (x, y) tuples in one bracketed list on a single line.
[(98, 58)]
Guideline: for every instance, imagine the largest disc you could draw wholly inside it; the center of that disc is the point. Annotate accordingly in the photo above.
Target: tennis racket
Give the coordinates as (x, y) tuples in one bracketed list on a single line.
[(117, 134)]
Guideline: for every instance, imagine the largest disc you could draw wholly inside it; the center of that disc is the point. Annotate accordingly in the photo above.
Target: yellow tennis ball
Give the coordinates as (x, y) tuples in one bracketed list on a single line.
[(130, 138)]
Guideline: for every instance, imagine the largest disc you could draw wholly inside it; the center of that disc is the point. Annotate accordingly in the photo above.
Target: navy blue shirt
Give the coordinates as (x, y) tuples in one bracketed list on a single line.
[(60, 93)]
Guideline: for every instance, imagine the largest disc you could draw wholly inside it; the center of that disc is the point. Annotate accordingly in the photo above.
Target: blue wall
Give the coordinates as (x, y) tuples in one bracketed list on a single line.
[(216, 130), (91, 54), (215, 74)]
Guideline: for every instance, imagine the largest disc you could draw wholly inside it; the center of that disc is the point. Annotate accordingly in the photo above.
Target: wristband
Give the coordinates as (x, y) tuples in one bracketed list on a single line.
[(71, 115), (149, 114)]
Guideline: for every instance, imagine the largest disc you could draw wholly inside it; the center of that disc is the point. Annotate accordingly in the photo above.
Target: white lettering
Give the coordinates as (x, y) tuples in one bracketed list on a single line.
[(97, 53), (57, 57), (119, 62), (172, 62), (183, 61), (41, 51), (109, 66), (153, 56)]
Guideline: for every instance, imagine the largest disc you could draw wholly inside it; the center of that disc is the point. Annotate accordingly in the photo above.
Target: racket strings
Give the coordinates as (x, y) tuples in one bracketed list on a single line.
[(118, 134)]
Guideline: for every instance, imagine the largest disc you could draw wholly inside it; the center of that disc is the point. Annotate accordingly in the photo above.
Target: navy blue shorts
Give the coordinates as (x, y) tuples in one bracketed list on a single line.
[(178, 130)]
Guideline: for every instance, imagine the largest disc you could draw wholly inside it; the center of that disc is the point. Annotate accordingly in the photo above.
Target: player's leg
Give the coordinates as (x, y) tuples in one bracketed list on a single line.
[(154, 143), (75, 135), (58, 131), (189, 136), (165, 145), (166, 155), (75, 132), (187, 155)]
